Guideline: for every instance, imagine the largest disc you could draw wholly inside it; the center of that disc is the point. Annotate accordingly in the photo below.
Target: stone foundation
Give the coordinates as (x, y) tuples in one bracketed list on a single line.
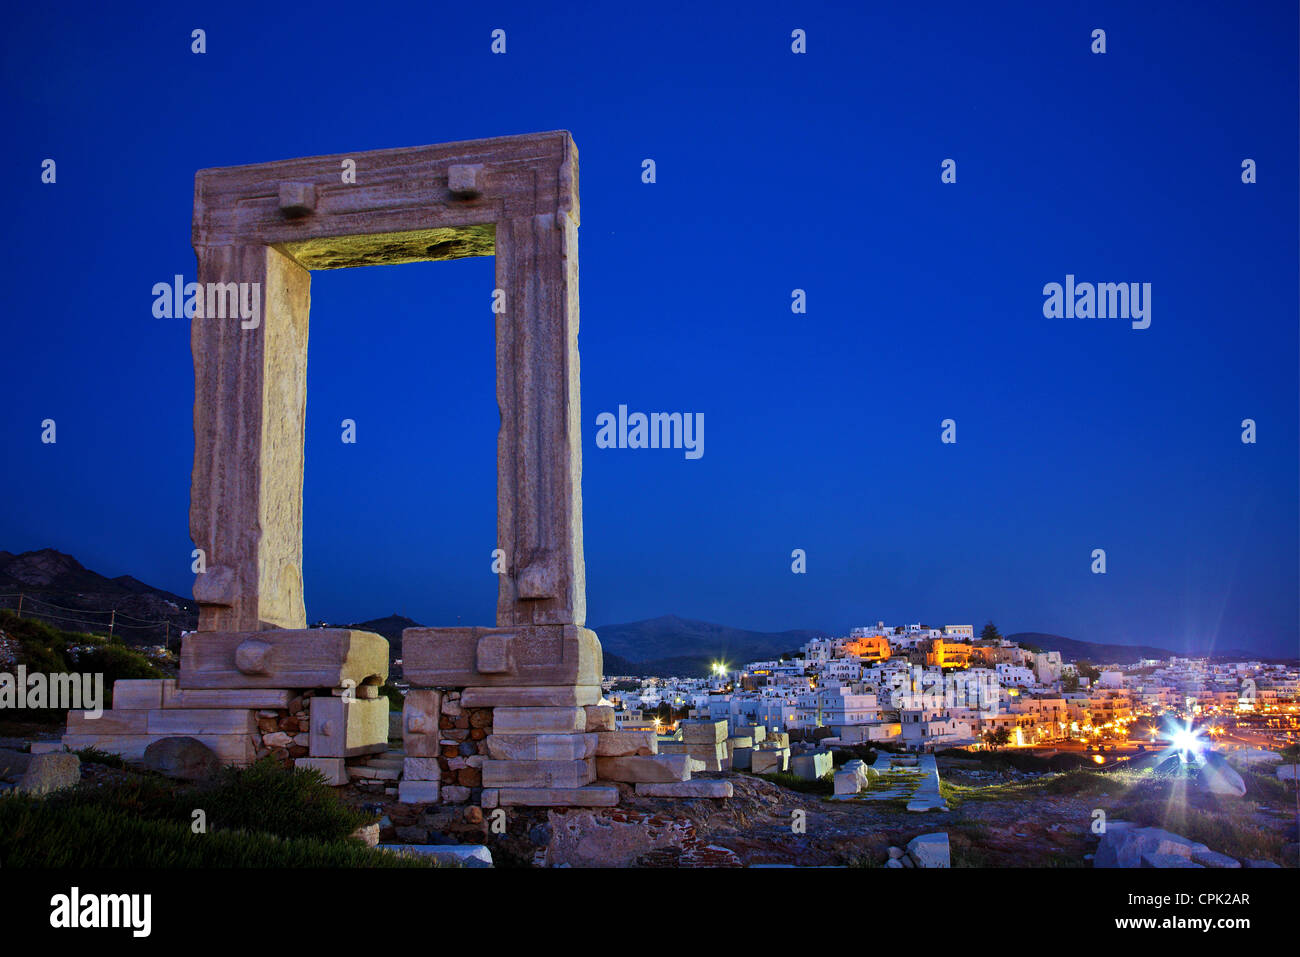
[(227, 698)]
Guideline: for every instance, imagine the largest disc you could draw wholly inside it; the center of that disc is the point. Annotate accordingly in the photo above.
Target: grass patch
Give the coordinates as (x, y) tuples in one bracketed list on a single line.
[(966, 850), (292, 803), (1228, 828), (96, 756), (1267, 787), (36, 833), (264, 815), (823, 785), (288, 802)]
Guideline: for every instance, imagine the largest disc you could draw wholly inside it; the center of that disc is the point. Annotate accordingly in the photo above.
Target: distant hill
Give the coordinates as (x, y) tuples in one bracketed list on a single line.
[(1074, 650), (702, 643), (690, 646), (390, 627), (59, 590)]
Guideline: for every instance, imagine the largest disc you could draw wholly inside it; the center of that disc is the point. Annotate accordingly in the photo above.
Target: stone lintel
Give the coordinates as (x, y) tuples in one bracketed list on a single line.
[(283, 658), (396, 190), (521, 656)]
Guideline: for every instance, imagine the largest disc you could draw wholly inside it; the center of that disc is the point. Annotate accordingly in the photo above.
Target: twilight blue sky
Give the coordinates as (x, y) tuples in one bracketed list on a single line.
[(775, 171)]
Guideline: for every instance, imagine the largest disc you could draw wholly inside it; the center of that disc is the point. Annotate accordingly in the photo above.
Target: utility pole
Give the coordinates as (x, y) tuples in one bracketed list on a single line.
[(20, 604), (112, 622)]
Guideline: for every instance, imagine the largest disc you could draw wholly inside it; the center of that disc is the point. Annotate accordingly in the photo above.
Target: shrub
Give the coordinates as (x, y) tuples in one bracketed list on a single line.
[(42, 648), (96, 756), (393, 694), (46, 834), (288, 802), (823, 785), (264, 797), (1228, 828)]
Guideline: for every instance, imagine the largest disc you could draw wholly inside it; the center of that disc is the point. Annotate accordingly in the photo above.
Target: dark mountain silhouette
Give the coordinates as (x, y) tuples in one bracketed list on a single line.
[(390, 627), (58, 589), (671, 642), (1072, 649)]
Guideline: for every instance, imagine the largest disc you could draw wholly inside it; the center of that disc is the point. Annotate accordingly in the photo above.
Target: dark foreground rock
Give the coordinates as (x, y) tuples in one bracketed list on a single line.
[(181, 757), (50, 772)]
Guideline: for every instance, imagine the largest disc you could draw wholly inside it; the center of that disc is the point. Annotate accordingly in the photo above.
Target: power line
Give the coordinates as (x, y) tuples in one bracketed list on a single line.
[(46, 616), (152, 622)]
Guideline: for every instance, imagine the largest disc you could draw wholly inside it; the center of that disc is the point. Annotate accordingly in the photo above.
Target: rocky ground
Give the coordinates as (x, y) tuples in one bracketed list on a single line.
[(996, 819)]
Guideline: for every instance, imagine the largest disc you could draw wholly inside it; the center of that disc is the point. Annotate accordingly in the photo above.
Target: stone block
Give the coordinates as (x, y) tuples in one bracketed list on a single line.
[(712, 757), (687, 789), (741, 758), (283, 658), (421, 711), (764, 761), (417, 792), (650, 769), (703, 732), (276, 699), (538, 774), (455, 794), (930, 850), (333, 770), (541, 747), (421, 769), (596, 796), (600, 718), (108, 723), (348, 727), (518, 656), (539, 721), (810, 767), (611, 744), (197, 721), (489, 799), (847, 783), (137, 694), (739, 742), (541, 696), (236, 749)]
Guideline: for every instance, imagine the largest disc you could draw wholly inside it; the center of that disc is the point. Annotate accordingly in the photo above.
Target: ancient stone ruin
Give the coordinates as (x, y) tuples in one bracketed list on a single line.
[(504, 715)]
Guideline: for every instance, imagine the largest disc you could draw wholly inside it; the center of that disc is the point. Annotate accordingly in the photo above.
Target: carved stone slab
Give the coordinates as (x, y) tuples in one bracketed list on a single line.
[(348, 727), (528, 656), (295, 658)]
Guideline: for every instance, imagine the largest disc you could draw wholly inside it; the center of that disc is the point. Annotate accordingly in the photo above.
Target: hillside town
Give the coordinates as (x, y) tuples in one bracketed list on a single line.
[(919, 688)]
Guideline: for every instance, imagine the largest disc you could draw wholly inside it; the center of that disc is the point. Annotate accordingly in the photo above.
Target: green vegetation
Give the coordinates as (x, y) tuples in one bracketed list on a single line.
[(843, 754), (1229, 828), (823, 785), (264, 797), (36, 833), (49, 651), (96, 756), (1087, 670), (393, 694), (261, 816), (990, 633), (997, 738)]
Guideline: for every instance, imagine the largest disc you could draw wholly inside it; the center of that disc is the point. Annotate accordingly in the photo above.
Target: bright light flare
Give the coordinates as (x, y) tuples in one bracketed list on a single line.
[(1186, 742)]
